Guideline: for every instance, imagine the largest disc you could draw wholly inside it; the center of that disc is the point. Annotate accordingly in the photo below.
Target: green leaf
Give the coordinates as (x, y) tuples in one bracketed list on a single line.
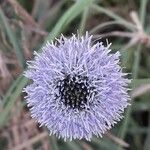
[(71, 13), (11, 97), (12, 37), (83, 21)]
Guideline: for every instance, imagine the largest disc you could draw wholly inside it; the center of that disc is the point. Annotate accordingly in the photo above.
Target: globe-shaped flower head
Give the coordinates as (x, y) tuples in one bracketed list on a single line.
[(78, 88)]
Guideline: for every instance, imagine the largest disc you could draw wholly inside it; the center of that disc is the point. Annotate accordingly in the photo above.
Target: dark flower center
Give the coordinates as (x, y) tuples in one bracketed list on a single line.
[(74, 91)]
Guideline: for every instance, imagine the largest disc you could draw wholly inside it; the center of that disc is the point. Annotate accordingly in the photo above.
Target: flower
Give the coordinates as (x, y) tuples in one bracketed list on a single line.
[(78, 88)]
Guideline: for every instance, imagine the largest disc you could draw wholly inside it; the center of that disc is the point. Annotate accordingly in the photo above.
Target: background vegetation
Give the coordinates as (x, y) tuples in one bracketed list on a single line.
[(26, 24)]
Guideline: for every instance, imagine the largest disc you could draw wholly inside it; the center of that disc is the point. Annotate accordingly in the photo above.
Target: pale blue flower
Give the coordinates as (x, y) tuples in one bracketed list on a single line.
[(78, 88)]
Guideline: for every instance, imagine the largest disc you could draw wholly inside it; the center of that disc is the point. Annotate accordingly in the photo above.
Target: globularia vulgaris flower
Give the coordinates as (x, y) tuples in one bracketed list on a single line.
[(78, 88)]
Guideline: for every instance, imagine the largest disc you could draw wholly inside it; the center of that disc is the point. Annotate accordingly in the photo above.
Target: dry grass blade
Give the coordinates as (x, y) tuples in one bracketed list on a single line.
[(31, 141), (115, 33), (131, 43), (136, 20), (117, 140), (22, 13), (103, 25), (4, 73), (12, 37), (26, 17), (86, 146), (136, 36), (5, 76), (36, 30), (140, 90)]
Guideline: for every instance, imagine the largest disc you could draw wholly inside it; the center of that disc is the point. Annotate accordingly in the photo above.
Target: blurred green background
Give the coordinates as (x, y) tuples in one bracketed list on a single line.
[(26, 24)]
